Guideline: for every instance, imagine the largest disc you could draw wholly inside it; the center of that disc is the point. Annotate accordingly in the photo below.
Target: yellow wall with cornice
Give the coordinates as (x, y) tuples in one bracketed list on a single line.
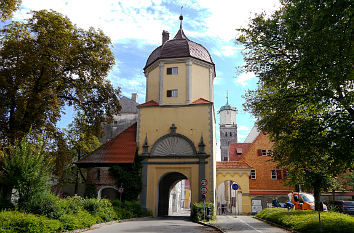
[(175, 81), (192, 121), (200, 83), (242, 179), (152, 83)]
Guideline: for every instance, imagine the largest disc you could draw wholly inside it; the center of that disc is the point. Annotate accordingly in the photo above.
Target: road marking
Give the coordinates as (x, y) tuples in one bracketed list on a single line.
[(249, 225)]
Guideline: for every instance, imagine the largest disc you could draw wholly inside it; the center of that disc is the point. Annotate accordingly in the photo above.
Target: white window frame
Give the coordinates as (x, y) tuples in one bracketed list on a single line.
[(174, 93), (264, 152), (172, 70), (273, 174), (269, 152), (253, 174)]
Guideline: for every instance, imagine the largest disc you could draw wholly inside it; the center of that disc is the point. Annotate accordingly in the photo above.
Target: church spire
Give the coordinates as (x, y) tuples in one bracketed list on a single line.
[(227, 97)]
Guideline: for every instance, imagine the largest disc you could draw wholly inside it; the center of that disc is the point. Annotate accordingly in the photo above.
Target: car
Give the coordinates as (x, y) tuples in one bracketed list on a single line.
[(346, 207)]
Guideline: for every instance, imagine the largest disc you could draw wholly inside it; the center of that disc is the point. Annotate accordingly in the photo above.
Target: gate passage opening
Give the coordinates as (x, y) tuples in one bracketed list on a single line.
[(174, 195)]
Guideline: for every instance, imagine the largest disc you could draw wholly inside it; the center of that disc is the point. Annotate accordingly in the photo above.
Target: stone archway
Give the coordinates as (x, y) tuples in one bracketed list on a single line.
[(164, 187), (108, 192)]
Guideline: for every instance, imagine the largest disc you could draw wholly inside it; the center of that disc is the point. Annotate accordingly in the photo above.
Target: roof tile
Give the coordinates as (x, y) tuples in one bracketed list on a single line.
[(120, 149)]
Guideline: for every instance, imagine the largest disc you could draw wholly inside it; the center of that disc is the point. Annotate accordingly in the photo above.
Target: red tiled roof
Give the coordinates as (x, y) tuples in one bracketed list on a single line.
[(120, 149), (235, 148), (201, 101), (150, 103), (232, 164)]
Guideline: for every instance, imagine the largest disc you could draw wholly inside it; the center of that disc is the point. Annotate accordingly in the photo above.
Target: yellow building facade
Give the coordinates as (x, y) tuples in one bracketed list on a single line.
[(176, 124)]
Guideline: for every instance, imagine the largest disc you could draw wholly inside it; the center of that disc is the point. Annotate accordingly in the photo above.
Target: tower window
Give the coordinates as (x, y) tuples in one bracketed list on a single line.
[(172, 70), (230, 134), (172, 93), (274, 174), (226, 134), (253, 174)]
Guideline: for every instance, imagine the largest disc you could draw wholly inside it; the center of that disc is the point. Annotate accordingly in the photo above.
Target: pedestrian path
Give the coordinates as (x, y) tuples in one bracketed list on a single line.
[(244, 224)]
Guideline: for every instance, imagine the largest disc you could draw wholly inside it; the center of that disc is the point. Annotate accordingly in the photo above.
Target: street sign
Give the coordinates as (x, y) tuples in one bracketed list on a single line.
[(204, 190), (121, 190), (234, 186), (204, 182), (203, 197)]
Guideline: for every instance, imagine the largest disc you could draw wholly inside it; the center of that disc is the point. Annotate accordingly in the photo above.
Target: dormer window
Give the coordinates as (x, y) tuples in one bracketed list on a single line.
[(172, 70)]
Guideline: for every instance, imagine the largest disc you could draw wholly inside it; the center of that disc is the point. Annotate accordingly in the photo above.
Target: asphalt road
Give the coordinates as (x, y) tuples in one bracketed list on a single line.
[(244, 224), (171, 224)]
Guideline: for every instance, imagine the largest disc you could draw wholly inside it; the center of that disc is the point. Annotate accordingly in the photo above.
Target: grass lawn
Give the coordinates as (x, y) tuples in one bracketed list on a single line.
[(307, 221)]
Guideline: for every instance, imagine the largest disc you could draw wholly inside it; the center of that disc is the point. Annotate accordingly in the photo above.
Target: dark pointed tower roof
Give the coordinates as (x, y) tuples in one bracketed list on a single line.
[(179, 46)]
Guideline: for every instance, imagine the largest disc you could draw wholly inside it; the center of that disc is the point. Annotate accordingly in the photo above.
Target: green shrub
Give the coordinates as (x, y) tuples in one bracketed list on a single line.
[(197, 211), (129, 209), (46, 204), (90, 191), (79, 220), (307, 221), (102, 209), (14, 221)]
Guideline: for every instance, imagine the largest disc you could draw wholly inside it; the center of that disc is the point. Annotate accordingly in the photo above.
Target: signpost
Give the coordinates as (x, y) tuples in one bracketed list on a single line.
[(120, 191), (204, 190), (235, 187)]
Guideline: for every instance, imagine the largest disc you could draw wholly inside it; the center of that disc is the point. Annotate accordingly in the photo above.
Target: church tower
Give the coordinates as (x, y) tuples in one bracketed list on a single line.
[(228, 128), (176, 125)]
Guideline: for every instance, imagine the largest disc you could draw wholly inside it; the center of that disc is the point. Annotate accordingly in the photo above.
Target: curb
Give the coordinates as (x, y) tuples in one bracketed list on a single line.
[(98, 225), (212, 226), (276, 225)]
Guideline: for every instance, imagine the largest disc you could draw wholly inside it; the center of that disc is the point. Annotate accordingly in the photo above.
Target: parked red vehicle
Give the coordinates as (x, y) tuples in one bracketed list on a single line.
[(303, 201)]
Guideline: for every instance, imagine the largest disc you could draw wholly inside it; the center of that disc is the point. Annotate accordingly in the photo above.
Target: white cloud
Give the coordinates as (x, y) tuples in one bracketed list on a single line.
[(227, 50), (145, 19), (244, 77), (242, 127)]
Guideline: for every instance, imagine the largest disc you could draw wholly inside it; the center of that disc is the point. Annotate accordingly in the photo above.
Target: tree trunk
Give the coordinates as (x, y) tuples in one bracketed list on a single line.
[(317, 195)]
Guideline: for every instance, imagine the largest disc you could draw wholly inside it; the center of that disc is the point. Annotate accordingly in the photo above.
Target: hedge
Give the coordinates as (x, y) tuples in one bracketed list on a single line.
[(307, 221), (197, 211), (14, 221)]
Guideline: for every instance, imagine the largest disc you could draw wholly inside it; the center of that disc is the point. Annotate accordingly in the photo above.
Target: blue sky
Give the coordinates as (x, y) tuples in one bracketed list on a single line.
[(135, 27)]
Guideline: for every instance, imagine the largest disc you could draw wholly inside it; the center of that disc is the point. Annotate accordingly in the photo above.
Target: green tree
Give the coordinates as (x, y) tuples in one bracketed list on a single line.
[(7, 7), (26, 168), (80, 141), (303, 55), (129, 175), (47, 63)]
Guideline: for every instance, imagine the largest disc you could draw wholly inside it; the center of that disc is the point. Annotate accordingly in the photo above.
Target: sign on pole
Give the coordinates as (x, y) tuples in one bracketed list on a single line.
[(204, 190), (121, 190), (204, 182), (203, 197), (235, 186)]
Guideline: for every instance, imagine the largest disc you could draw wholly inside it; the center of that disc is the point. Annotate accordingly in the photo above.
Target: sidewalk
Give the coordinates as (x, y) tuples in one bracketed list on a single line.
[(244, 224)]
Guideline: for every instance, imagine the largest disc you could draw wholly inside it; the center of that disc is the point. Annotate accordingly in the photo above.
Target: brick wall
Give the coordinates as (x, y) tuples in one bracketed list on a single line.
[(263, 167)]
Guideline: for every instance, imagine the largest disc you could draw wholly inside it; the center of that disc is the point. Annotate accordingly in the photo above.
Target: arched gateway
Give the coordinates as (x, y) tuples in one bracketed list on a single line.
[(176, 124)]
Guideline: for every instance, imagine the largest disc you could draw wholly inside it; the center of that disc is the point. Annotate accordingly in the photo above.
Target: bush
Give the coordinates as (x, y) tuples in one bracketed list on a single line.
[(129, 209), (307, 221), (14, 221), (79, 220), (197, 211), (26, 167), (46, 204), (102, 209)]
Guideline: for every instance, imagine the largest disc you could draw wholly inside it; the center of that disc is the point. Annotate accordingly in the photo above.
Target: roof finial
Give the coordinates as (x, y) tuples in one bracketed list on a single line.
[(181, 18), (227, 96)]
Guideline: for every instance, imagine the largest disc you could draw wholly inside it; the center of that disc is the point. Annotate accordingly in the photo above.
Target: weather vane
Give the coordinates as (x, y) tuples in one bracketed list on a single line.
[(181, 18)]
